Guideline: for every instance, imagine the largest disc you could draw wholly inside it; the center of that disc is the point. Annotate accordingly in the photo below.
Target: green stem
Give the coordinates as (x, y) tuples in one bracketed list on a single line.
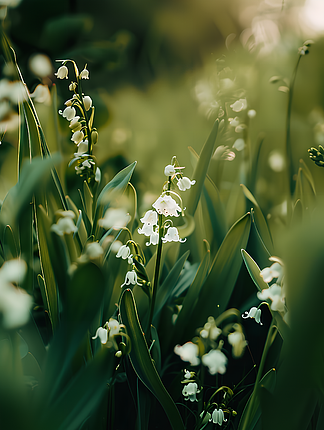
[(288, 143), (156, 273)]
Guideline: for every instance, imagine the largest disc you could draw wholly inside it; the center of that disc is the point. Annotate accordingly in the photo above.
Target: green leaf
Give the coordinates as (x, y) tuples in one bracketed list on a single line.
[(168, 285), (142, 361), (47, 282), (201, 169), (10, 244), (254, 271), (260, 220), (111, 191), (219, 285), (190, 300)]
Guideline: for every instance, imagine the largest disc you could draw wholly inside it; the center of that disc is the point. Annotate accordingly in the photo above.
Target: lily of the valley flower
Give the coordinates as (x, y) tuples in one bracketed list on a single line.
[(77, 137), (215, 360), (130, 278), (274, 271), (190, 391), (87, 102), (69, 113), (210, 330), (150, 217), (218, 417), (238, 342), (111, 328), (125, 253), (82, 148), (64, 225), (169, 170), (167, 206), (15, 303), (114, 218), (239, 105), (253, 313), (62, 72), (154, 237), (85, 73), (185, 183), (188, 352), (172, 236), (75, 125), (276, 295)]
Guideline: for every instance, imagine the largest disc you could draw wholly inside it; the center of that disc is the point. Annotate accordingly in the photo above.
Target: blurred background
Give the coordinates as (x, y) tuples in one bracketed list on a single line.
[(160, 74)]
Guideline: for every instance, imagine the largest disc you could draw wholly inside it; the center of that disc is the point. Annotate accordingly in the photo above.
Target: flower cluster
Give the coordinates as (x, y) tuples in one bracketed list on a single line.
[(167, 206), (276, 291), (80, 113)]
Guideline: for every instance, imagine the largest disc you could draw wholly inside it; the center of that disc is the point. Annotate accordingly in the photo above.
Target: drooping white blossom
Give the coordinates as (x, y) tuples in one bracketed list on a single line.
[(253, 313), (188, 352), (215, 360), (167, 206), (172, 235), (62, 72), (130, 278), (185, 183), (114, 218), (190, 391)]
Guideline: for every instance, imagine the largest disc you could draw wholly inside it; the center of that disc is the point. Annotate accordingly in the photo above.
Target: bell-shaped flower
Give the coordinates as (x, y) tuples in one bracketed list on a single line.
[(69, 113), (215, 360), (125, 253), (72, 86), (276, 295), (77, 137), (169, 170), (190, 391), (114, 218), (217, 417), (130, 278), (238, 342), (147, 229), (239, 105), (15, 303), (253, 313), (150, 217), (172, 236), (85, 73), (111, 328), (62, 72), (82, 148), (274, 271), (239, 144), (167, 206), (75, 125), (185, 183), (87, 102), (64, 225), (188, 352), (210, 330), (154, 237)]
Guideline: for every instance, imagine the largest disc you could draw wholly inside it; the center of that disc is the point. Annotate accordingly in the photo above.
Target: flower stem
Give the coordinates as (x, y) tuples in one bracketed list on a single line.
[(156, 274), (290, 166)]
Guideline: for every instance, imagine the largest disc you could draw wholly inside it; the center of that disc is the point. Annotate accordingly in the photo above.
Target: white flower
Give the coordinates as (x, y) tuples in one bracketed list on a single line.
[(234, 122), (188, 352), (40, 65), (114, 218), (218, 417), (84, 74), (15, 303), (87, 102), (239, 144), (130, 278), (64, 225), (210, 329), (77, 137), (150, 217), (190, 390), (251, 113), (94, 250), (111, 328), (147, 230), (172, 236), (167, 206), (125, 253), (75, 125), (69, 113), (239, 105), (62, 72), (215, 360), (253, 313), (185, 183), (274, 271), (42, 94), (154, 238), (275, 293), (238, 342), (169, 170), (82, 148)]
